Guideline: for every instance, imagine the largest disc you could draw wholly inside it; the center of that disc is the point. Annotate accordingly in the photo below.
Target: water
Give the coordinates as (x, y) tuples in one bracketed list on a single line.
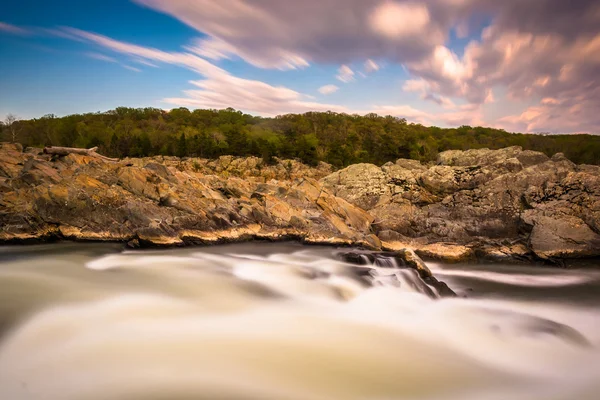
[(282, 321)]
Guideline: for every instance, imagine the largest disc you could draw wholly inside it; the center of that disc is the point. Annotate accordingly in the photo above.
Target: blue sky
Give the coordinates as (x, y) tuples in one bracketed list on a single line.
[(438, 62)]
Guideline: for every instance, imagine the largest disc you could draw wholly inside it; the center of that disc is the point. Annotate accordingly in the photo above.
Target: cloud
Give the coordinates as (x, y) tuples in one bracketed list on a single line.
[(424, 88), (217, 49), (134, 69), (187, 60), (399, 20), (60, 32), (12, 29), (439, 100), (248, 95), (101, 57), (416, 85), (345, 74), (536, 51), (286, 34), (328, 89), (532, 50), (220, 89), (371, 66), (145, 62), (404, 111)]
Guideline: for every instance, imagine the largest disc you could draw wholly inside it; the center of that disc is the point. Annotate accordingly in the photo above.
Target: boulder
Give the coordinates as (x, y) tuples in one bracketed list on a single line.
[(405, 268), (361, 184), (565, 236)]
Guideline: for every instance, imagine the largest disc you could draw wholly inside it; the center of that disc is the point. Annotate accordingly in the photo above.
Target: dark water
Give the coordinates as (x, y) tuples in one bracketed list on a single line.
[(284, 321)]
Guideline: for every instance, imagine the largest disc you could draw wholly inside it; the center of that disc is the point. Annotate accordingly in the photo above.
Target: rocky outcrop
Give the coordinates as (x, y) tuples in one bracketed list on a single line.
[(251, 168), (500, 205), (167, 201), (497, 204)]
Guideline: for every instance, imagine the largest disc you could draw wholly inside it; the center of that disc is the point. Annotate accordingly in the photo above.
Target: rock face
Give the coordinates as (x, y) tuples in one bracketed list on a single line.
[(498, 204), (252, 168), (167, 201)]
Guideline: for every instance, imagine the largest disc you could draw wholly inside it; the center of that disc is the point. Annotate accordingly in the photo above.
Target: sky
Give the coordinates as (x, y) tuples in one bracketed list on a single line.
[(523, 66)]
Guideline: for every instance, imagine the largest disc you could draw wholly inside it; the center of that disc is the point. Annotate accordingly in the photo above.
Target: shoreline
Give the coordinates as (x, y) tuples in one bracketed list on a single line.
[(507, 205), (475, 255)]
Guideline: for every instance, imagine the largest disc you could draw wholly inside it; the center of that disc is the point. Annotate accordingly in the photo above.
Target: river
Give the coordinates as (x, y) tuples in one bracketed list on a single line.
[(286, 321)]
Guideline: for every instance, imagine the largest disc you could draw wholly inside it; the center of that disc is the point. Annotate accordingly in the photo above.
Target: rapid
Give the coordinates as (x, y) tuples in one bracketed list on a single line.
[(286, 321)]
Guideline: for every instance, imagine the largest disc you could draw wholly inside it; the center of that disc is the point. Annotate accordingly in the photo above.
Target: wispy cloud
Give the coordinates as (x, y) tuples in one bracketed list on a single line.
[(345, 74), (531, 49), (145, 62), (104, 57), (134, 69), (221, 89), (187, 60), (101, 57), (60, 32), (13, 29), (328, 89), (544, 54), (371, 66)]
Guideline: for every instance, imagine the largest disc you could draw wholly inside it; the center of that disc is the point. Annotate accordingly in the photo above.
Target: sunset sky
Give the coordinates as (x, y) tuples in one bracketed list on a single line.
[(530, 66)]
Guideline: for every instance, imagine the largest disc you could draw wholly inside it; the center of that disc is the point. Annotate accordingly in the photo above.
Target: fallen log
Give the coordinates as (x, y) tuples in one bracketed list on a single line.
[(65, 151)]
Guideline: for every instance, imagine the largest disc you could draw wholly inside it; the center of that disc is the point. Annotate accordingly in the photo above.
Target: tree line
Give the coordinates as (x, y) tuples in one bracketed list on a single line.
[(336, 138)]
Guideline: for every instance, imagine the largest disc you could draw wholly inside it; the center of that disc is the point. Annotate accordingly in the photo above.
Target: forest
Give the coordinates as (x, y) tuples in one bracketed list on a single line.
[(338, 139)]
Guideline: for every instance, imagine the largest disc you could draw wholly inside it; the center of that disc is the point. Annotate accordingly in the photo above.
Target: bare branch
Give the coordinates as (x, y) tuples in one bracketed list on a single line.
[(9, 122)]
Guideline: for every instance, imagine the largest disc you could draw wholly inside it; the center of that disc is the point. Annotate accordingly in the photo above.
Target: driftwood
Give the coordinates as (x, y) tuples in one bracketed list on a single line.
[(65, 151)]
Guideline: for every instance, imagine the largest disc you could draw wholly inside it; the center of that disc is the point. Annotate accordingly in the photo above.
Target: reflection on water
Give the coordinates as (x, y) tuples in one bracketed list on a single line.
[(282, 321)]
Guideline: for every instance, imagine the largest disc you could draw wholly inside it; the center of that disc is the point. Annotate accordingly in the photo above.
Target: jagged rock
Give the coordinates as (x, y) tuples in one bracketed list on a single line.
[(361, 184), (496, 204), (484, 157), (511, 252), (476, 198), (447, 252), (165, 201), (410, 165), (562, 237), (400, 262)]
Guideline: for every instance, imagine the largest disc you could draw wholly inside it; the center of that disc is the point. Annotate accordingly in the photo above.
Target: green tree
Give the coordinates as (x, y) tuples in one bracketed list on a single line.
[(182, 149)]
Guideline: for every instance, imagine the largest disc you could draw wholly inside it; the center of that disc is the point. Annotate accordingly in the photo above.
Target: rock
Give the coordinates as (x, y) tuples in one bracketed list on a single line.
[(361, 184), (396, 217), (11, 160), (475, 199), (485, 157), (444, 180), (447, 252), (529, 158), (505, 253), (34, 150), (414, 261), (559, 157), (411, 165), (421, 279), (563, 237), (509, 204), (170, 201)]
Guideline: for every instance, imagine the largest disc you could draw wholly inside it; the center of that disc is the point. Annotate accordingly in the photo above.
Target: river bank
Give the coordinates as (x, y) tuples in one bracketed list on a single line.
[(504, 205)]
